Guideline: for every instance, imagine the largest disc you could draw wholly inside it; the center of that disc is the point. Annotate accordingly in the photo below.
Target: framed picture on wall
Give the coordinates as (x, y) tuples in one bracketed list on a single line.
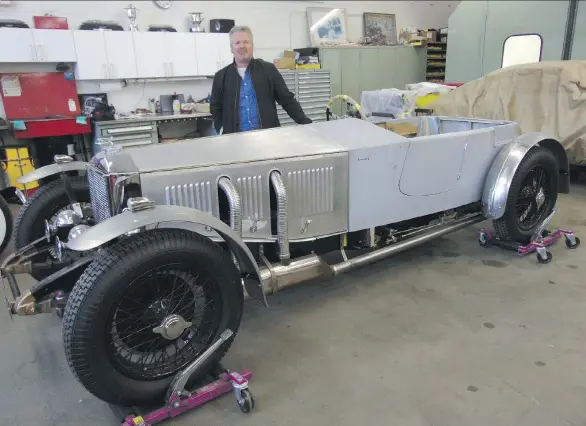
[(380, 28), (88, 101), (327, 26)]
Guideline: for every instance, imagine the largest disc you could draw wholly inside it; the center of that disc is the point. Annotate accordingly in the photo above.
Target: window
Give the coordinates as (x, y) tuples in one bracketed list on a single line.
[(522, 49)]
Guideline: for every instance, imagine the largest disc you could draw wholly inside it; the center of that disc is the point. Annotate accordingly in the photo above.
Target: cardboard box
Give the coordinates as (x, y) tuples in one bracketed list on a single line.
[(403, 129), (289, 54), (432, 35), (285, 63)]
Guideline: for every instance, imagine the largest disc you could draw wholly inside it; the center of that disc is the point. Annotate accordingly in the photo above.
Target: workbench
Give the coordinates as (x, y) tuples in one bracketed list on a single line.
[(139, 130)]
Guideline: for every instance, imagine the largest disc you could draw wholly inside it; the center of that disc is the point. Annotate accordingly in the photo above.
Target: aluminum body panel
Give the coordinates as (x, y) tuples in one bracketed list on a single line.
[(128, 221), (235, 148), (317, 190), (50, 170), (377, 164)]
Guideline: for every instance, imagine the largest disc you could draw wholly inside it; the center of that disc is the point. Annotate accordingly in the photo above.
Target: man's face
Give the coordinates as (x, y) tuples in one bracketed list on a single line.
[(242, 46)]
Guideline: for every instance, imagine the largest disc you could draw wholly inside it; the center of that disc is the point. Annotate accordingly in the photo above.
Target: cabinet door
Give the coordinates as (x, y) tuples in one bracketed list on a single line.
[(120, 52), (18, 46), (223, 46), (54, 45), (370, 69), (181, 54), (331, 61), (151, 54), (208, 59), (92, 61)]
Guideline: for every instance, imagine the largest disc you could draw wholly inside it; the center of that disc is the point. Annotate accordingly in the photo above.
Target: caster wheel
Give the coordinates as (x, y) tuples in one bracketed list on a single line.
[(546, 260), (247, 403), (59, 312), (573, 246), (483, 240)]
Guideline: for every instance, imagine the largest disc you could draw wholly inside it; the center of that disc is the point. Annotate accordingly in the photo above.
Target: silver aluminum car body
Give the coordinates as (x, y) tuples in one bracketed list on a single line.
[(329, 178)]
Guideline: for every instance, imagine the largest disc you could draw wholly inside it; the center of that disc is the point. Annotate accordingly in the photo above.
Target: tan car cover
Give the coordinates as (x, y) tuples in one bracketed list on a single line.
[(548, 97)]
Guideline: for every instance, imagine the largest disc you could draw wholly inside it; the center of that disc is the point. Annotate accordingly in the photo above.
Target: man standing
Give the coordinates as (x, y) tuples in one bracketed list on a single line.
[(244, 93)]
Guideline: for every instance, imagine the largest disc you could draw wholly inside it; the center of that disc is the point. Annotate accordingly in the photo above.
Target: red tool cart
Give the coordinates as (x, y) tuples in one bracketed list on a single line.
[(44, 108)]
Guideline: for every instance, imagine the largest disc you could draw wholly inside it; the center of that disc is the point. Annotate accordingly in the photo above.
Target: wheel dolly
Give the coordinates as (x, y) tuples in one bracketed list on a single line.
[(541, 239), (178, 400)]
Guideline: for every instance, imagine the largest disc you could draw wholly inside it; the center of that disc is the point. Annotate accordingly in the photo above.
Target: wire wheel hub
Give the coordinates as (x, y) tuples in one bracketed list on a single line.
[(172, 327)]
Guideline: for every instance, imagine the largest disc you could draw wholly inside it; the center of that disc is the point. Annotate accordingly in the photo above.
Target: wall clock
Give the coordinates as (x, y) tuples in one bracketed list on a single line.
[(164, 4)]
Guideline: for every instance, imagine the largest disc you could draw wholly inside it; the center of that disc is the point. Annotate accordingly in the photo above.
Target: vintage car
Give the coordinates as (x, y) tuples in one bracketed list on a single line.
[(150, 255)]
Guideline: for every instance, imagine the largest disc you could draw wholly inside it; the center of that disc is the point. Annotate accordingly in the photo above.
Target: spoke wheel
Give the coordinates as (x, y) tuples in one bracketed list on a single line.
[(532, 196), (162, 294), (146, 308), (531, 201)]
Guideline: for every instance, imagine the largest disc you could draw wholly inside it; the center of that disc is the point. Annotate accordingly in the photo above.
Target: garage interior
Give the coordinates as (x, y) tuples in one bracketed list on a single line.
[(445, 333)]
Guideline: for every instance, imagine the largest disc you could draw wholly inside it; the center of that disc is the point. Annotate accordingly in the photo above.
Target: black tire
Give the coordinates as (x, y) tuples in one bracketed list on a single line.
[(5, 209), (87, 321), (46, 202), (247, 403), (542, 162)]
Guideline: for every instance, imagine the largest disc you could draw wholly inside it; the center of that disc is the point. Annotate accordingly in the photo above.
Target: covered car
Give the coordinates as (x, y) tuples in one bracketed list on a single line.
[(548, 97)]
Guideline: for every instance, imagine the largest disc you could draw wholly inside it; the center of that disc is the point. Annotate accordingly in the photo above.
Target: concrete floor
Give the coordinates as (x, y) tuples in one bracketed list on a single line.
[(446, 334)]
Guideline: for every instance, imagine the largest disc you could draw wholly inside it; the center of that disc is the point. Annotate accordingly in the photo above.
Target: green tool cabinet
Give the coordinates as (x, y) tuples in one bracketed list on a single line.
[(354, 69)]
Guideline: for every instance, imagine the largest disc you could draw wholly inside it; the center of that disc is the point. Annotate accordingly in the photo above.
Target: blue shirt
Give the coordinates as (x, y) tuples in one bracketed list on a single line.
[(248, 106)]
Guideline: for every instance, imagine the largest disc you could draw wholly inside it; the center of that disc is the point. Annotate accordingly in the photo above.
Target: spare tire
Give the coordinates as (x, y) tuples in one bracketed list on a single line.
[(532, 196), (135, 287)]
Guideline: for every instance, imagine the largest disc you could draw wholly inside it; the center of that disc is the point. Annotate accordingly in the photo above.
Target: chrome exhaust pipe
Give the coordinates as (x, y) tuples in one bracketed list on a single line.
[(235, 203), (371, 257), (282, 217), (276, 277)]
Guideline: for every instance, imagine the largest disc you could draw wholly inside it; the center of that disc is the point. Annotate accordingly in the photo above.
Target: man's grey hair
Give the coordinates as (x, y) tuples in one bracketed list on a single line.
[(240, 29)]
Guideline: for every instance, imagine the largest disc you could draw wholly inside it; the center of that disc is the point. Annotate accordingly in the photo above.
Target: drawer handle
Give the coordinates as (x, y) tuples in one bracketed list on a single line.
[(129, 129)]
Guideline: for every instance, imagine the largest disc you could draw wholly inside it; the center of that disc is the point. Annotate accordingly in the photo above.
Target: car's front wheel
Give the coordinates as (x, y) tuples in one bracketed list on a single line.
[(532, 196), (149, 306)]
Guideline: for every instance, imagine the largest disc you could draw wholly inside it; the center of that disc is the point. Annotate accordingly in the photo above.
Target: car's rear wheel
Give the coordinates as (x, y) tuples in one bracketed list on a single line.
[(532, 196), (114, 332), (45, 204)]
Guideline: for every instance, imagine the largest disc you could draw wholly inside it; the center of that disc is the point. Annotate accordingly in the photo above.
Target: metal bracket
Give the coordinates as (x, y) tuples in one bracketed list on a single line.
[(177, 387)]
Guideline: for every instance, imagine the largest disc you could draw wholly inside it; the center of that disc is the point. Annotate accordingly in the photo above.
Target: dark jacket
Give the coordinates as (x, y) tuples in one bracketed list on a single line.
[(269, 87)]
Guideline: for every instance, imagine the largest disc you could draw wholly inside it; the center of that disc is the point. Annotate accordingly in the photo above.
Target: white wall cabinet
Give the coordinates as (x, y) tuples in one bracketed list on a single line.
[(37, 45), (109, 55), (181, 54), (165, 54), (151, 57), (54, 45), (213, 52), (120, 52), (103, 55)]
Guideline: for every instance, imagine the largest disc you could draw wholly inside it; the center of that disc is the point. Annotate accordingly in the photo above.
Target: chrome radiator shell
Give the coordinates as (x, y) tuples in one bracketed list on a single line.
[(99, 194), (109, 174)]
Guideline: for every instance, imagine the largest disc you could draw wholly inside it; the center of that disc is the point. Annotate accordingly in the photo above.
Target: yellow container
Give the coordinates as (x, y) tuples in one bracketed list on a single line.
[(18, 163), (421, 101)]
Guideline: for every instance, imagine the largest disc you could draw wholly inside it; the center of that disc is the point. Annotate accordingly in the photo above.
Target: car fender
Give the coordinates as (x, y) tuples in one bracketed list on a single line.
[(52, 169), (505, 164), (175, 217)]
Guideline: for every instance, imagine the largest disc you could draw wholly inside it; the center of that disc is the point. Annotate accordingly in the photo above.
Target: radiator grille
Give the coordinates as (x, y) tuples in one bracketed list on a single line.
[(312, 191), (195, 195), (99, 195), (251, 191)]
